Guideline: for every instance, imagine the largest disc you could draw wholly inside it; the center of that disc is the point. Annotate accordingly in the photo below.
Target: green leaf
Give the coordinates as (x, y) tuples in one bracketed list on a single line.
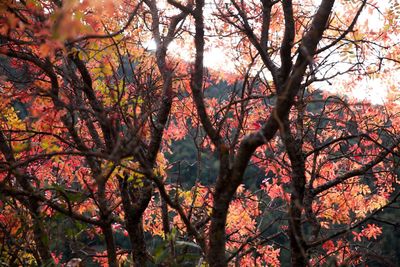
[(160, 254)]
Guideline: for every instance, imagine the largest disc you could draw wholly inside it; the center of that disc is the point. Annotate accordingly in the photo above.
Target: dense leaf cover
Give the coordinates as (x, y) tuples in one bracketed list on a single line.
[(124, 142)]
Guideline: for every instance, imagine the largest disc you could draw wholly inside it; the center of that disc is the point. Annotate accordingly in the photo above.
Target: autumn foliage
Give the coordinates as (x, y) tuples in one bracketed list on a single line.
[(292, 167)]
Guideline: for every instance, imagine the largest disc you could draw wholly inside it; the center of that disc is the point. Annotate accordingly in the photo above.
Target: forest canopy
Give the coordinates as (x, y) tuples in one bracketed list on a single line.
[(199, 133)]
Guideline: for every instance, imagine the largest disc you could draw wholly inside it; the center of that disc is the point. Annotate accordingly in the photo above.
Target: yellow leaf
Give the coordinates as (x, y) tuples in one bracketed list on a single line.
[(20, 147)]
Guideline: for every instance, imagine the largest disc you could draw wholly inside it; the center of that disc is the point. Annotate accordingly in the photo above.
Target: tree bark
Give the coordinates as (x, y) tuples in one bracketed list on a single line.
[(106, 226), (134, 206), (298, 181), (40, 235), (110, 244), (224, 191), (136, 235), (217, 237)]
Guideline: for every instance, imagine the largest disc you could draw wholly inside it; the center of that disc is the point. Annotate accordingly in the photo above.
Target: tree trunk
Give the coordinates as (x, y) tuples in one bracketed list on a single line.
[(298, 182), (134, 203), (39, 234), (138, 243), (224, 191), (216, 252), (297, 243), (106, 227), (110, 243)]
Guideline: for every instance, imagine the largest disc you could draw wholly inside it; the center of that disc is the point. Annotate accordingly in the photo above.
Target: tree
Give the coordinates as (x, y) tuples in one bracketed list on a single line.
[(86, 131)]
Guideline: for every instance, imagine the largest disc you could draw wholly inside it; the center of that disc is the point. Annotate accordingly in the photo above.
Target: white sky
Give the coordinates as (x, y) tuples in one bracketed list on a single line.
[(374, 90)]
